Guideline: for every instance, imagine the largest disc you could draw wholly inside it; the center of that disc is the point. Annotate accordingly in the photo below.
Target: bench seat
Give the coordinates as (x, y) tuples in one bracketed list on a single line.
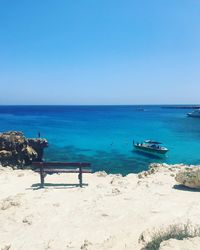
[(44, 168)]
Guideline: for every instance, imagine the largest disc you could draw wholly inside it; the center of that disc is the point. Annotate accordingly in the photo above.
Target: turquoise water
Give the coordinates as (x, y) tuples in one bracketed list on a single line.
[(103, 134)]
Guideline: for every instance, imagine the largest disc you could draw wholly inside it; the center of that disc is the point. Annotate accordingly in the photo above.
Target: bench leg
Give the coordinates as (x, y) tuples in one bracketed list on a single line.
[(80, 177), (42, 175), (80, 180), (42, 180)]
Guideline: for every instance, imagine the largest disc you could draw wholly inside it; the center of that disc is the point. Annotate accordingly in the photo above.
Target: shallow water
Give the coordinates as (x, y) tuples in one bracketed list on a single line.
[(103, 135)]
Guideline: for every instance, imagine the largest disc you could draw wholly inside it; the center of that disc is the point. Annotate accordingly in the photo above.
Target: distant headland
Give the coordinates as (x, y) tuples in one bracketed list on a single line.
[(181, 107)]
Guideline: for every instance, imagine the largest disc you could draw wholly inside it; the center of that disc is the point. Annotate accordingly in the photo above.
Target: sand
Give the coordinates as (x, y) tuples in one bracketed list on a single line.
[(110, 212)]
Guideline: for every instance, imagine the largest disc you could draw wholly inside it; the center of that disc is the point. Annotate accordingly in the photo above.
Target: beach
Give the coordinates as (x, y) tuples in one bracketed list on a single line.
[(109, 212)]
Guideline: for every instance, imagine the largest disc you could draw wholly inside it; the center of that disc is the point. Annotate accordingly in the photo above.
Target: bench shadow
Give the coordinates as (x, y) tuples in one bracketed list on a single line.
[(37, 186), (184, 188)]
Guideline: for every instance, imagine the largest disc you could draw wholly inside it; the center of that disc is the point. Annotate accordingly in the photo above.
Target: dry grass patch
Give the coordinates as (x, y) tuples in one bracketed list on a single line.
[(178, 232)]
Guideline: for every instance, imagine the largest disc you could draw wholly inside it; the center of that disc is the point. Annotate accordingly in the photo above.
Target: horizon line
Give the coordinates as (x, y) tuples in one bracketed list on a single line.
[(166, 104)]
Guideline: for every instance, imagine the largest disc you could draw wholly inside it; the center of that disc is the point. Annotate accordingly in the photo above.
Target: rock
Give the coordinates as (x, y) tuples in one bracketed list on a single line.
[(117, 180), (31, 152), (86, 245), (101, 174), (27, 220), (18, 151), (20, 175), (38, 145), (5, 153), (189, 178), (10, 202), (115, 191), (6, 247), (152, 170), (140, 175), (145, 237)]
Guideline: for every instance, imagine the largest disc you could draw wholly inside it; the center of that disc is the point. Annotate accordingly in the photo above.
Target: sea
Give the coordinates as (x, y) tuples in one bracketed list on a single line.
[(103, 135)]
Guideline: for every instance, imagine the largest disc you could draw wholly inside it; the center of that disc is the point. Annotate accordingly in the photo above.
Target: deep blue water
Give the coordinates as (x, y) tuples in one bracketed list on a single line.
[(103, 134)]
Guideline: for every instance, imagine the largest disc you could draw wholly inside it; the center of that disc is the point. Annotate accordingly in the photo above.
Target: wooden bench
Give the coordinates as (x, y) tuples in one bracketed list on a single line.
[(44, 168)]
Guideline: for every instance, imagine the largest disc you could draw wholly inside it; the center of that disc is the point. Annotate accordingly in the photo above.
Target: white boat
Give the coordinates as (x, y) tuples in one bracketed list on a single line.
[(151, 147), (195, 113)]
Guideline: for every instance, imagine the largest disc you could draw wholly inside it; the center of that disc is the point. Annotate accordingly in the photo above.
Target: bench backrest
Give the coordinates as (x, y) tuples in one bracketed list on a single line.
[(62, 164)]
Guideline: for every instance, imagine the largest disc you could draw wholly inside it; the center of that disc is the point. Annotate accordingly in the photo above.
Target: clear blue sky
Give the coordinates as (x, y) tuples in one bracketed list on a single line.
[(99, 51)]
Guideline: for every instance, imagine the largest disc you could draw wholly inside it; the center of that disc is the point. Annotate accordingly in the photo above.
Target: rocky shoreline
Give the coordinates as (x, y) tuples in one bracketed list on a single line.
[(17, 151), (186, 175)]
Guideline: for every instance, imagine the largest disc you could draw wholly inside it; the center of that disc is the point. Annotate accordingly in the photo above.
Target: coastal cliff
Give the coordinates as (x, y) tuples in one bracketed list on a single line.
[(18, 151)]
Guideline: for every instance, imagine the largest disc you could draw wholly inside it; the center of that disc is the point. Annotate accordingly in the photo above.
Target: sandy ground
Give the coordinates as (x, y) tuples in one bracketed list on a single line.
[(110, 212)]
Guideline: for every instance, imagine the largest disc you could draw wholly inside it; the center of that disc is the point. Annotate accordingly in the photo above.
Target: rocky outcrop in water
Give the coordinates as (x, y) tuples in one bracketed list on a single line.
[(17, 150)]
